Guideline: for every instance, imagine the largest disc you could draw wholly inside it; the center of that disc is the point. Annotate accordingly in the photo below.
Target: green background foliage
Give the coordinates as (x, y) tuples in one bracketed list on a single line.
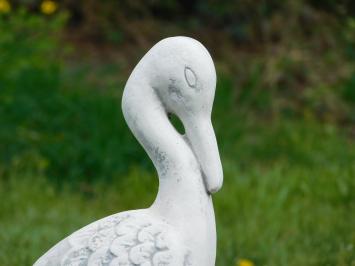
[(283, 115)]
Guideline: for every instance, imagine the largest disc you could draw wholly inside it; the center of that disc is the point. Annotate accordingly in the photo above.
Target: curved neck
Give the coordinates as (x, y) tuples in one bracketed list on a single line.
[(181, 187)]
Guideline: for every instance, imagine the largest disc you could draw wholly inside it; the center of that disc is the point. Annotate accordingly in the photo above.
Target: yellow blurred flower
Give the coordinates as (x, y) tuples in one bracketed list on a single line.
[(245, 262), (5, 6), (48, 7)]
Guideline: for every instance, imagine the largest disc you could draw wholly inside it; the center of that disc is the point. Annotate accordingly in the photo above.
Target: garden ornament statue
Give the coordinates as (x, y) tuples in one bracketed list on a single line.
[(177, 76)]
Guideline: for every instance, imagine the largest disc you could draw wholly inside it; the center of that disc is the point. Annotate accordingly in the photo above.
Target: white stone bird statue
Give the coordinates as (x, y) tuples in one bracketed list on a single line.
[(177, 76)]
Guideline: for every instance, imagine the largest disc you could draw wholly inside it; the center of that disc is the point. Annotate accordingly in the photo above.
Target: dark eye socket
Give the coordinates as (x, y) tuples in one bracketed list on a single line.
[(190, 77)]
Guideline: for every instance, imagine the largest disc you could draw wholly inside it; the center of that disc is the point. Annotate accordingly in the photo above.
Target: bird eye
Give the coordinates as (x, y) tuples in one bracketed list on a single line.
[(190, 77)]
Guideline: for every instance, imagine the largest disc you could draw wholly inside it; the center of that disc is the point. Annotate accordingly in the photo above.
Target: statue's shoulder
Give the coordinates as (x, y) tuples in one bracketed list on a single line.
[(128, 238)]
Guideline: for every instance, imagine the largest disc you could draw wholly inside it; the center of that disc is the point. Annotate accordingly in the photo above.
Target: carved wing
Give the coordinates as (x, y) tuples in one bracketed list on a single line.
[(125, 240)]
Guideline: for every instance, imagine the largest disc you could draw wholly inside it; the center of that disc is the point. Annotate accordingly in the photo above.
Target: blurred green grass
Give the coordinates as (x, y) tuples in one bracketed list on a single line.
[(67, 158), (277, 213)]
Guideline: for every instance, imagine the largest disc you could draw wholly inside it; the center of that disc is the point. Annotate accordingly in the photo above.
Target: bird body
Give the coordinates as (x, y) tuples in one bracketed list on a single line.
[(127, 238), (176, 76)]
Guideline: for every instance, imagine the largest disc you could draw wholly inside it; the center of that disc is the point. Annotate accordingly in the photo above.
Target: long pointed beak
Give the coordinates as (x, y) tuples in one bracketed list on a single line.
[(202, 138)]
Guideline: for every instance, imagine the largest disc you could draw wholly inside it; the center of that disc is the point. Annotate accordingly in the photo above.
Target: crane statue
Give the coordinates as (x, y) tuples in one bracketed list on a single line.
[(177, 76)]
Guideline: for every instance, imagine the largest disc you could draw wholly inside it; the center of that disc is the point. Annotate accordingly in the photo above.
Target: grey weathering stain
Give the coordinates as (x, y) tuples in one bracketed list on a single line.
[(174, 90)]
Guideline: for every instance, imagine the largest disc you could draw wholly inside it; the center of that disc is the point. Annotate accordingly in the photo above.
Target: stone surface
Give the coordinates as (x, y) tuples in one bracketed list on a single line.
[(176, 76)]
